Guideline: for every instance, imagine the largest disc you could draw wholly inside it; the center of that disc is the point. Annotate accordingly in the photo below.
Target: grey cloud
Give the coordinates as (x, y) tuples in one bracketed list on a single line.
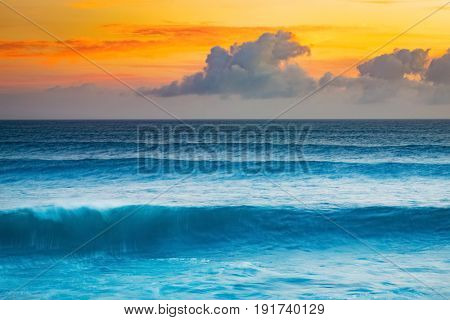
[(439, 70), (82, 88), (394, 66), (256, 69), (363, 89), (369, 90), (382, 79), (261, 69)]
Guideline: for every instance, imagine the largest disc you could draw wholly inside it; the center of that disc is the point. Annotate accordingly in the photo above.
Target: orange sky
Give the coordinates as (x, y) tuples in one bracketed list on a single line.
[(148, 42)]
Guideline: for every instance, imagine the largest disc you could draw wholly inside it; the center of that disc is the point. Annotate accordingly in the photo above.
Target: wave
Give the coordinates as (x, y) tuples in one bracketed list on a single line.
[(228, 153), (158, 229), (60, 169), (176, 143), (120, 145), (351, 159)]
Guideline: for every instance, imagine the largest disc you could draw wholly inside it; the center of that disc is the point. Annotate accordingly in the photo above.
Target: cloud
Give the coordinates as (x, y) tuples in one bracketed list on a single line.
[(148, 40), (384, 2), (376, 1), (439, 70), (363, 89), (259, 68), (95, 4), (41, 48), (394, 66), (215, 33)]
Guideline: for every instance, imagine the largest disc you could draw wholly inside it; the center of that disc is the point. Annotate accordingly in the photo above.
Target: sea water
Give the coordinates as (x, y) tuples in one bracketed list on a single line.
[(362, 213)]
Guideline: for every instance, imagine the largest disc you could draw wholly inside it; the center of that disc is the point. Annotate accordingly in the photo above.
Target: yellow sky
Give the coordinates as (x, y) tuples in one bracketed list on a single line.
[(150, 42)]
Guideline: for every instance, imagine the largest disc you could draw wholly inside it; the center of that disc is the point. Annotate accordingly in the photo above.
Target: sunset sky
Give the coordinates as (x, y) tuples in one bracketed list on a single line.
[(151, 43)]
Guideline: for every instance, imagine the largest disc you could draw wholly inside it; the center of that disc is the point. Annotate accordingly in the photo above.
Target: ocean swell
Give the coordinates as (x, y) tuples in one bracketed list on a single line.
[(158, 229)]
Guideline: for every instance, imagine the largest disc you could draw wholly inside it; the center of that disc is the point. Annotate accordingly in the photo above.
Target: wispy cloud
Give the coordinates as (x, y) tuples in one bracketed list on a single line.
[(214, 32), (40, 48), (385, 1), (93, 4), (150, 39)]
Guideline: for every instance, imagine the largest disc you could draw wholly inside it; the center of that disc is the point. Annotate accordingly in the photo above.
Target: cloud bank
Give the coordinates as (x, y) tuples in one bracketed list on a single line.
[(264, 69), (254, 69)]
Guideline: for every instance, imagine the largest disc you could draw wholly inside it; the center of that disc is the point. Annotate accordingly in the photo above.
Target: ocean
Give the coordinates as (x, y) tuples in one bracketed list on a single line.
[(305, 209)]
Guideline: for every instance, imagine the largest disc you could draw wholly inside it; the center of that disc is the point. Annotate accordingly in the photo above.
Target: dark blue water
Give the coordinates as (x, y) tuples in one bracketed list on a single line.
[(356, 209)]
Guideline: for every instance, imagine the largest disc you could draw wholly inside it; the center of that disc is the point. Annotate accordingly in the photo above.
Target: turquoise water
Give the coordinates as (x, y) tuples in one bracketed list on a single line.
[(361, 211)]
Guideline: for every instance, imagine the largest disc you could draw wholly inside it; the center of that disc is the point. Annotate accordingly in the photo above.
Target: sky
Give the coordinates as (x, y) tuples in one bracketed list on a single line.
[(223, 59)]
